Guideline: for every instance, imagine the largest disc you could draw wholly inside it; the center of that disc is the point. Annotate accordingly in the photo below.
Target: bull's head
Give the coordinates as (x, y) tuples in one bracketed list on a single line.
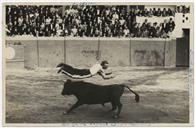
[(67, 90)]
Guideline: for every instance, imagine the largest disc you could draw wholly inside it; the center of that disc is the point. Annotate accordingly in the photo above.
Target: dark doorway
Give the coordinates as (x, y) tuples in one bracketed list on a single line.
[(182, 50)]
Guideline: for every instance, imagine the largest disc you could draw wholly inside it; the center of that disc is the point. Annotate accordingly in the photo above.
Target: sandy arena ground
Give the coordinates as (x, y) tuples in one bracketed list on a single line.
[(34, 96)]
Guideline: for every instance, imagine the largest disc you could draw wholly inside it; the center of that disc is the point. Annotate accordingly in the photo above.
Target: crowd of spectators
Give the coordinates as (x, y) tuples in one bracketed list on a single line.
[(183, 9), (86, 21), (155, 12)]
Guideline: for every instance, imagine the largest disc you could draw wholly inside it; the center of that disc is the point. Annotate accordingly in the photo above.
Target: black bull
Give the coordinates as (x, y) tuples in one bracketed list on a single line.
[(88, 93)]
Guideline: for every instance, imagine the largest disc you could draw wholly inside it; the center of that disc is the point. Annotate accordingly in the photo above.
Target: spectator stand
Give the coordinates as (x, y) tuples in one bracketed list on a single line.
[(89, 21)]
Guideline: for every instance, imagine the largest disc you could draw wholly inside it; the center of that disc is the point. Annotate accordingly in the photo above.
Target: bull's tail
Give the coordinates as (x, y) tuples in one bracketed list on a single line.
[(136, 95)]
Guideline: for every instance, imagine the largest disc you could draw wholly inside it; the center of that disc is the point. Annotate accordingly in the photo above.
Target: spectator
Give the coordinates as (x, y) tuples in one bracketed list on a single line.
[(115, 16), (120, 33), (179, 9), (164, 12), (165, 26), (33, 29), (15, 31), (126, 32), (170, 12), (97, 32), (66, 31), (74, 31), (59, 32), (9, 28), (150, 13), (154, 12), (158, 32), (138, 30), (47, 32), (48, 22), (158, 13), (163, 31), (171, 25), (145, 12), (144, 25), (109, 34), (122, 21), (134, 29), (152, 30), (145, 33)]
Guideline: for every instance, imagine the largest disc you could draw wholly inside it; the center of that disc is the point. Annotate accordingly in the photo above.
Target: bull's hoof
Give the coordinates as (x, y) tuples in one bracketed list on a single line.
[(65, 113), (110, 110), (115, 116)]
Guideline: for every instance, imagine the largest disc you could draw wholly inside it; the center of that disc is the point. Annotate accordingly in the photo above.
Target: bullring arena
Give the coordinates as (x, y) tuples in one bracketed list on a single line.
[(158, 69)]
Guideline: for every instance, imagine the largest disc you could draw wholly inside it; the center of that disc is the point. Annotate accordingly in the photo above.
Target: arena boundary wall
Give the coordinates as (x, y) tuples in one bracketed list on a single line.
[(83, 52)]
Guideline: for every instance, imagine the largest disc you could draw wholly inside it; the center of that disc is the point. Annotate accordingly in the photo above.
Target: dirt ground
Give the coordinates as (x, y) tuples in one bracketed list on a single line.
[(34, 96)]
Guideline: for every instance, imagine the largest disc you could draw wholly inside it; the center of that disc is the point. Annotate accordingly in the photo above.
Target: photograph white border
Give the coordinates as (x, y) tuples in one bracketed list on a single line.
[(2, 45)]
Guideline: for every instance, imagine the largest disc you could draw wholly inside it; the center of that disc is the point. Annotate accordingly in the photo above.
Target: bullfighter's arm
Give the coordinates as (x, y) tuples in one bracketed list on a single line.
[(106, 75), (76, 76), (59, 70)]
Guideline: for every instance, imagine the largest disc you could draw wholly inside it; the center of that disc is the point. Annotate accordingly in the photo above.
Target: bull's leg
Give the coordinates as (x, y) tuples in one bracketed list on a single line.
[(113, 107), (76, 105), (119, 105)]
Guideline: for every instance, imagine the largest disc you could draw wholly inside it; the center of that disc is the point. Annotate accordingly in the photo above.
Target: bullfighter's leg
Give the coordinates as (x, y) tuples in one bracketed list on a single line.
[(76, 105)]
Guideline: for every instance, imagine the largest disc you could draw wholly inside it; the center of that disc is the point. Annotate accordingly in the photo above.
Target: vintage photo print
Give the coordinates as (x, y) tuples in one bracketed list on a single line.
[(98, 64)]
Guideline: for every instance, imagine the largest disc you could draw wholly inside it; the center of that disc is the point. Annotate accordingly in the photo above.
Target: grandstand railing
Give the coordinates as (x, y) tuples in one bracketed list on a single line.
[(84, 38)]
